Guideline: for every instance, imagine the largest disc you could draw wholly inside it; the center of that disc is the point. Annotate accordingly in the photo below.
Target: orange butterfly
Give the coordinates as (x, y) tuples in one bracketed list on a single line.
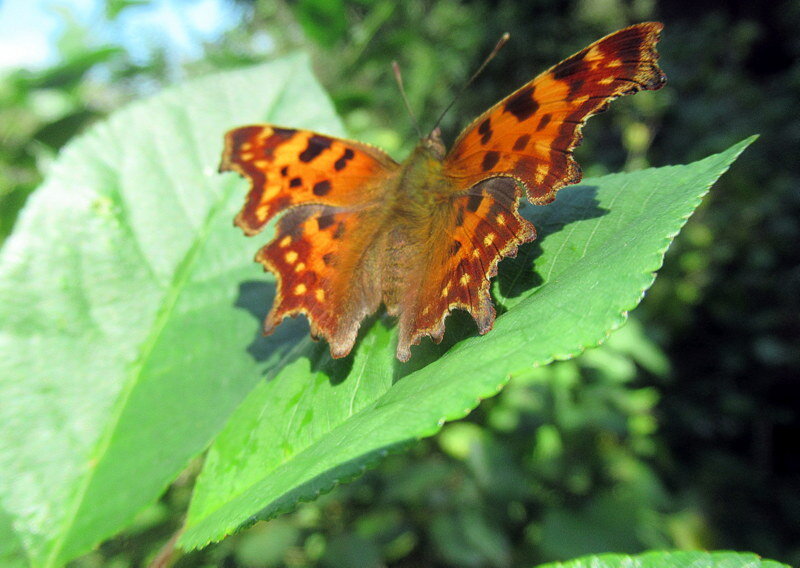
[(425, 236)]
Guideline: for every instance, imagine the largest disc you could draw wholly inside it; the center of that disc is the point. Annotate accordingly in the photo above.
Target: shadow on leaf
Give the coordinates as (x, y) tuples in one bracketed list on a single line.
[(516, 277), (256, 298), (291, 339)]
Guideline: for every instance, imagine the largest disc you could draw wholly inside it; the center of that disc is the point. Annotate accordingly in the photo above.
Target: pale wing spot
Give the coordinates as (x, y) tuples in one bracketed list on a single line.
[(606, 80), (261, 164), (465, 278), (271, 192), (300, 267), (476, 253), (319, 293), (614, 63), (247, 156), (489, 239), (541, 172), (425, 310), (291, 256), (593, 54), (285, 241), (300, 289), (500, 219), (445, 291), (580, 100), (246, 147)]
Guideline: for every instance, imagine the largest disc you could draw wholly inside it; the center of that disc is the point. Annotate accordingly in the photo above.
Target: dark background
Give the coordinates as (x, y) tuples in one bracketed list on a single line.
[(681, 432)]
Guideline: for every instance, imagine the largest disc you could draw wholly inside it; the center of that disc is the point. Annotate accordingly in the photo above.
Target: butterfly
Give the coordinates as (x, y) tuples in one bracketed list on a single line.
[(425, 236)]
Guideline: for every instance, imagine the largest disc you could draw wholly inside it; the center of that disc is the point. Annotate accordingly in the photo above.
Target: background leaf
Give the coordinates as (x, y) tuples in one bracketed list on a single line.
[(319, 421), (670, 560), (123, 320), (12, 554)]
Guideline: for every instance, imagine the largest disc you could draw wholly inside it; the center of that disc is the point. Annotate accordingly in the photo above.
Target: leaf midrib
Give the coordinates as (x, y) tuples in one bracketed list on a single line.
[(182, 275)]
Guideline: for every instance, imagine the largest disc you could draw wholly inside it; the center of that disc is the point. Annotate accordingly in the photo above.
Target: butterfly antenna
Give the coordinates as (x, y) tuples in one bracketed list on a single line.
[(399, 78), (500, 43)]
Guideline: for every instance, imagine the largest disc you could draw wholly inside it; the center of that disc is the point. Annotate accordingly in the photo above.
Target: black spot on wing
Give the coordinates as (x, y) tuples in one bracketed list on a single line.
[(522, 104), (490, 160), (316, 145), (485, 130), (455, 247), (295, 182), (341, 163), (322, 187), (324, 221), (521, 142), (544, 121)]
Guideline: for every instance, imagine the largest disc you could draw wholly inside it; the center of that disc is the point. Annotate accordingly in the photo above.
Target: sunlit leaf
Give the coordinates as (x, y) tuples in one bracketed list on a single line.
[(124, 297)]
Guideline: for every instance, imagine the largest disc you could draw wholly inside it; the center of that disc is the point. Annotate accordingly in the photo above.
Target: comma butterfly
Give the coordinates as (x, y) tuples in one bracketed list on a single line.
[(423, 237)]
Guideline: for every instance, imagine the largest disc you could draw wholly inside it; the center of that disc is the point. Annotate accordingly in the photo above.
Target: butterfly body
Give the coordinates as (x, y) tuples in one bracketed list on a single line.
[(425, 236), (410, 219)]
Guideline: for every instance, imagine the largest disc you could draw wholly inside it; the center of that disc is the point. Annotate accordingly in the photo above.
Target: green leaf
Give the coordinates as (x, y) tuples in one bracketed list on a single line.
[(670, 560), (12, 554), (125, 301), (319, 422), (323, 22)]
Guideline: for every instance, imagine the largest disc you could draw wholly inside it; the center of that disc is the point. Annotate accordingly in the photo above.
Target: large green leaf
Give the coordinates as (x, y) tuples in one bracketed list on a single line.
[(670, 560), (124, 319), (11, 552), (317, 422)]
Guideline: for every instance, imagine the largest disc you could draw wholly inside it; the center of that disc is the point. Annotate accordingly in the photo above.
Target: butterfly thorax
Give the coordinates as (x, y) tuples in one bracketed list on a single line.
[(415, 208), (420, 175)]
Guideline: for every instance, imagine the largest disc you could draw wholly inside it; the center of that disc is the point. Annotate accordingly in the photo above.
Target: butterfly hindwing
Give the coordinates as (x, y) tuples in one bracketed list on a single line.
[(322, 261), (483, 226), (530, 134)]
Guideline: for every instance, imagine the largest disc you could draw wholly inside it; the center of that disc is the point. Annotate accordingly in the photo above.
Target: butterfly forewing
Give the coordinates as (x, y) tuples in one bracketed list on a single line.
[(288, 167), (530, 134)]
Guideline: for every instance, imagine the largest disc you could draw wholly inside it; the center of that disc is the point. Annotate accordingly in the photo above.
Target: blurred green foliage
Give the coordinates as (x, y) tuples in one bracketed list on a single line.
[(680, 432)]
